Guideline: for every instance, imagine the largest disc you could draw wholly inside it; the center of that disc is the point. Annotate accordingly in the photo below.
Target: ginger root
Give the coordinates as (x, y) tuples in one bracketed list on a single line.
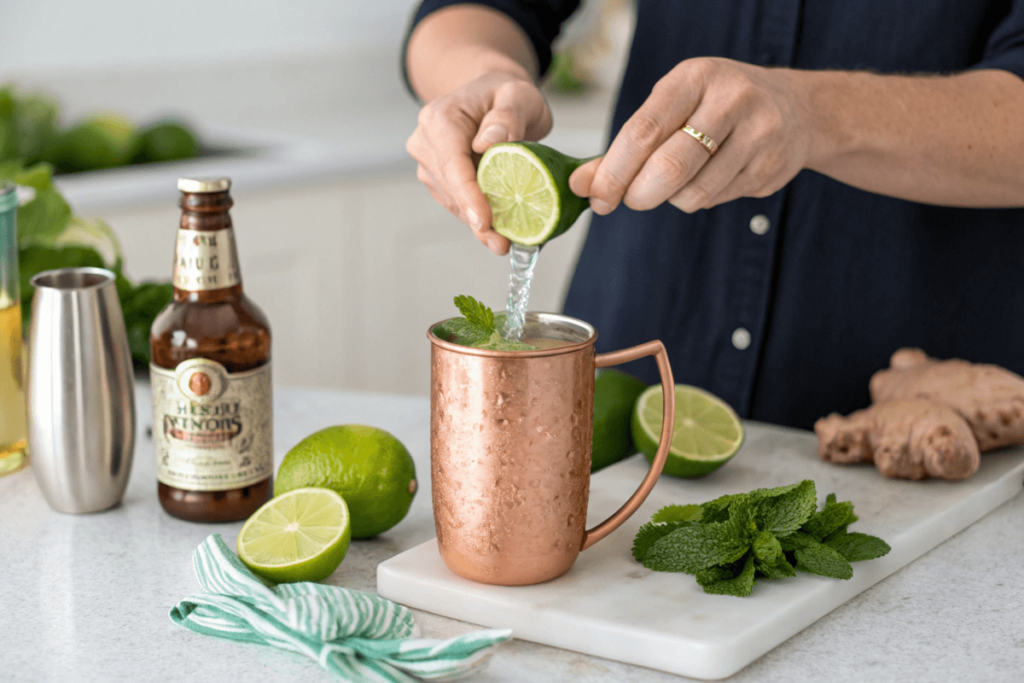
[(906, 439), (989, 397), (928, 418)]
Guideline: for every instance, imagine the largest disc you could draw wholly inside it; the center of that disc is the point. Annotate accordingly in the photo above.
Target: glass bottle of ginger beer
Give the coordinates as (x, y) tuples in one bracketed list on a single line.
[(210, 375)]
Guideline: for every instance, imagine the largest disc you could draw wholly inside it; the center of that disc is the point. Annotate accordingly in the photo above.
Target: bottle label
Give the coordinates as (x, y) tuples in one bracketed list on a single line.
[(213, 430), (205, 260)]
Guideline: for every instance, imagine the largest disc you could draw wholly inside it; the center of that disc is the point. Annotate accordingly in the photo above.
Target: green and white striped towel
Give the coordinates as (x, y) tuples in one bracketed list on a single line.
[(358, 636)]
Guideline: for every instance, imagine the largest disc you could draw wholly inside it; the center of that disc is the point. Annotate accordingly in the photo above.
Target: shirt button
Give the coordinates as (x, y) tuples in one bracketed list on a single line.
[(741, 338), (760, 224)]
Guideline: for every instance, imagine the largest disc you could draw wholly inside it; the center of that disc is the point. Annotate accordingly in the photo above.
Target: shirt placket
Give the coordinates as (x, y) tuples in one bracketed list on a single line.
[(755, 257)]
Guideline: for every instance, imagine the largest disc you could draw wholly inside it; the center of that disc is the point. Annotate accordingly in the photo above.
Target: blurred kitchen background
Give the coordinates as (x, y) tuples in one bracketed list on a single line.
[(302, 105)]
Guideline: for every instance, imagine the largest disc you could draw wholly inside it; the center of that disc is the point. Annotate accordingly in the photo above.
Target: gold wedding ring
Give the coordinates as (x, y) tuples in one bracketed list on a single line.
[(703, 139)]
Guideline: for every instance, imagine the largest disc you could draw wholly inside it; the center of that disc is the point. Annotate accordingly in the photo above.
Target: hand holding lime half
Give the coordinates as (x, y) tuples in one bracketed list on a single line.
[(368, 467)]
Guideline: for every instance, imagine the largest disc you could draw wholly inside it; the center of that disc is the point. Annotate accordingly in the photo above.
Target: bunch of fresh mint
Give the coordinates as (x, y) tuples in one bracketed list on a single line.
[(479, 328), (768, 533)]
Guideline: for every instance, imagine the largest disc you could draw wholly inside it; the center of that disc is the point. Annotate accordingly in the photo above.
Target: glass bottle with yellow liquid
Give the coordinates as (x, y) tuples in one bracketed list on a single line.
[(12, 385)]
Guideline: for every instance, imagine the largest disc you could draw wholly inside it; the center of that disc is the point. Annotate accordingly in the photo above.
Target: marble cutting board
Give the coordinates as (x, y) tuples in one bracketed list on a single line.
[(610, 606)]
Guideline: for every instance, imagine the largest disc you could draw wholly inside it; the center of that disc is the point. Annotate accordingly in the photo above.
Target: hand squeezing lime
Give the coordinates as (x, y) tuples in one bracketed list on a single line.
[(527, 187)]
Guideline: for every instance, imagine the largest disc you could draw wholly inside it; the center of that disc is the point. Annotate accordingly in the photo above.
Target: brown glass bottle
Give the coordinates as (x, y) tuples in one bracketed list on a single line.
[(210, 373)]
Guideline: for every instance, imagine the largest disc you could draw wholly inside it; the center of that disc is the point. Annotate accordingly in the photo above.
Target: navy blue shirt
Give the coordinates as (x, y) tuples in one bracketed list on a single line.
[(785, 306)]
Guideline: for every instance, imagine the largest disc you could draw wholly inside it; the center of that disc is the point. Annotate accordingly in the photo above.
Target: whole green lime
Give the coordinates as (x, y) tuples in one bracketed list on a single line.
[(104, 141), (615, 393), (167, 141), (367, 466)]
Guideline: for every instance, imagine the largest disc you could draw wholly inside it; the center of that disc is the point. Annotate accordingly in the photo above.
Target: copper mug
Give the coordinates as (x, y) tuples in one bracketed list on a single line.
[(510, 449)]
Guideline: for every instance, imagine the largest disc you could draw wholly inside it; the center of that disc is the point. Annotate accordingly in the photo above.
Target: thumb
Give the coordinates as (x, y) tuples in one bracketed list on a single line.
[(582, 177), (518, 109)]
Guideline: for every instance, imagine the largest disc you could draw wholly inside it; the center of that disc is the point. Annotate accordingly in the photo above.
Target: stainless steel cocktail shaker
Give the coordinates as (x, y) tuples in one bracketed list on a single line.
[(81, 400)]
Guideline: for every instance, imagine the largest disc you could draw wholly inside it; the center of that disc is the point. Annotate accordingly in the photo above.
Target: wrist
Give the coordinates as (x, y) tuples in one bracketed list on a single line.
[(825, 114)]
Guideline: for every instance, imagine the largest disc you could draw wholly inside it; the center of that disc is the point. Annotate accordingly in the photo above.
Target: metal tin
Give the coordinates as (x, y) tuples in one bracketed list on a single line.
[(81, 391), (510, 451)]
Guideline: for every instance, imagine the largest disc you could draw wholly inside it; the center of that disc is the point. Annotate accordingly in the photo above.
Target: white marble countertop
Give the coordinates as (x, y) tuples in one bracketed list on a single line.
[(85, 598)]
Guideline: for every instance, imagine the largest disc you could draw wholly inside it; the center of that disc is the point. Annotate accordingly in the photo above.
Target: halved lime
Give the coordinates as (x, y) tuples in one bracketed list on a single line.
[(706, 431), (527, 187), (302, 535)]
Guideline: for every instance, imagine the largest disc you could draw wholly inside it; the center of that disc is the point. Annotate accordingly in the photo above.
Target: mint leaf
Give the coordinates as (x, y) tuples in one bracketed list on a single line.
[(698, 546), (461, 331), (728, 581), (832, 517), (782, 511), (717, 510), (767, 548), (39, 176), (677, 513), (857, 547), (782, 569), (795, 541), (496, 342), (42, 220), (816, 558), (649, 534), (9, 168), (475, 312)]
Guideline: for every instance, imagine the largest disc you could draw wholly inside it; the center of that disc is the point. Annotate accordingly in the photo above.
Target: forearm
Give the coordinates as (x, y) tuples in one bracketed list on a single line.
[(453, 46), (950, 140)]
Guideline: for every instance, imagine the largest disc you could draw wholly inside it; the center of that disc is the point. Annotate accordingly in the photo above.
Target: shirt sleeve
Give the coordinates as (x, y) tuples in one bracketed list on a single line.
[(541, 20), (1004, 48)]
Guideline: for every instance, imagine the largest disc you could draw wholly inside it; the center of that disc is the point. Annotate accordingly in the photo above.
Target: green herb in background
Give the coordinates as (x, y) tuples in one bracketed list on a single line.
[(479, 328), (50, 236), (729, 542)]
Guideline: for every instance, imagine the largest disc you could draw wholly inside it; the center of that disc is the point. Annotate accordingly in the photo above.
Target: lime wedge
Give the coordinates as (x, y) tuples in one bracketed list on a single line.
[(527, 187), (301, 535), (706, 431)]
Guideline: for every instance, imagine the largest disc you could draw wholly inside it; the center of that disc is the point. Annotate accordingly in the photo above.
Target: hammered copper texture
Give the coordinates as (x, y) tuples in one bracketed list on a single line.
[(510, 461)]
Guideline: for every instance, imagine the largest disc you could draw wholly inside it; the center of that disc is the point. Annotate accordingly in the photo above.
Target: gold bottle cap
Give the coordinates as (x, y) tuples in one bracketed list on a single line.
[(204, 184)]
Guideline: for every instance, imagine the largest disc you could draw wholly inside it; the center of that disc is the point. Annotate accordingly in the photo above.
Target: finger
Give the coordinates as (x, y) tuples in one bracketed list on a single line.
[(498, 244), (713, 177), (668, 170), (663, 113), (455, 170), (518, 112), (743, 185), (490, 239), (582, 177)]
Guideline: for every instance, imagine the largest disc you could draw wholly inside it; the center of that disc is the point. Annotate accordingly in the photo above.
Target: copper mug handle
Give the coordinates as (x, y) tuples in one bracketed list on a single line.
[(604, 360)]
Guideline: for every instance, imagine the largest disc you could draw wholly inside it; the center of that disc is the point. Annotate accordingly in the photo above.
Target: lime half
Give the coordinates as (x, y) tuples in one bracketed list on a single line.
[(706, 431), (527, 187), (301, 535)]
